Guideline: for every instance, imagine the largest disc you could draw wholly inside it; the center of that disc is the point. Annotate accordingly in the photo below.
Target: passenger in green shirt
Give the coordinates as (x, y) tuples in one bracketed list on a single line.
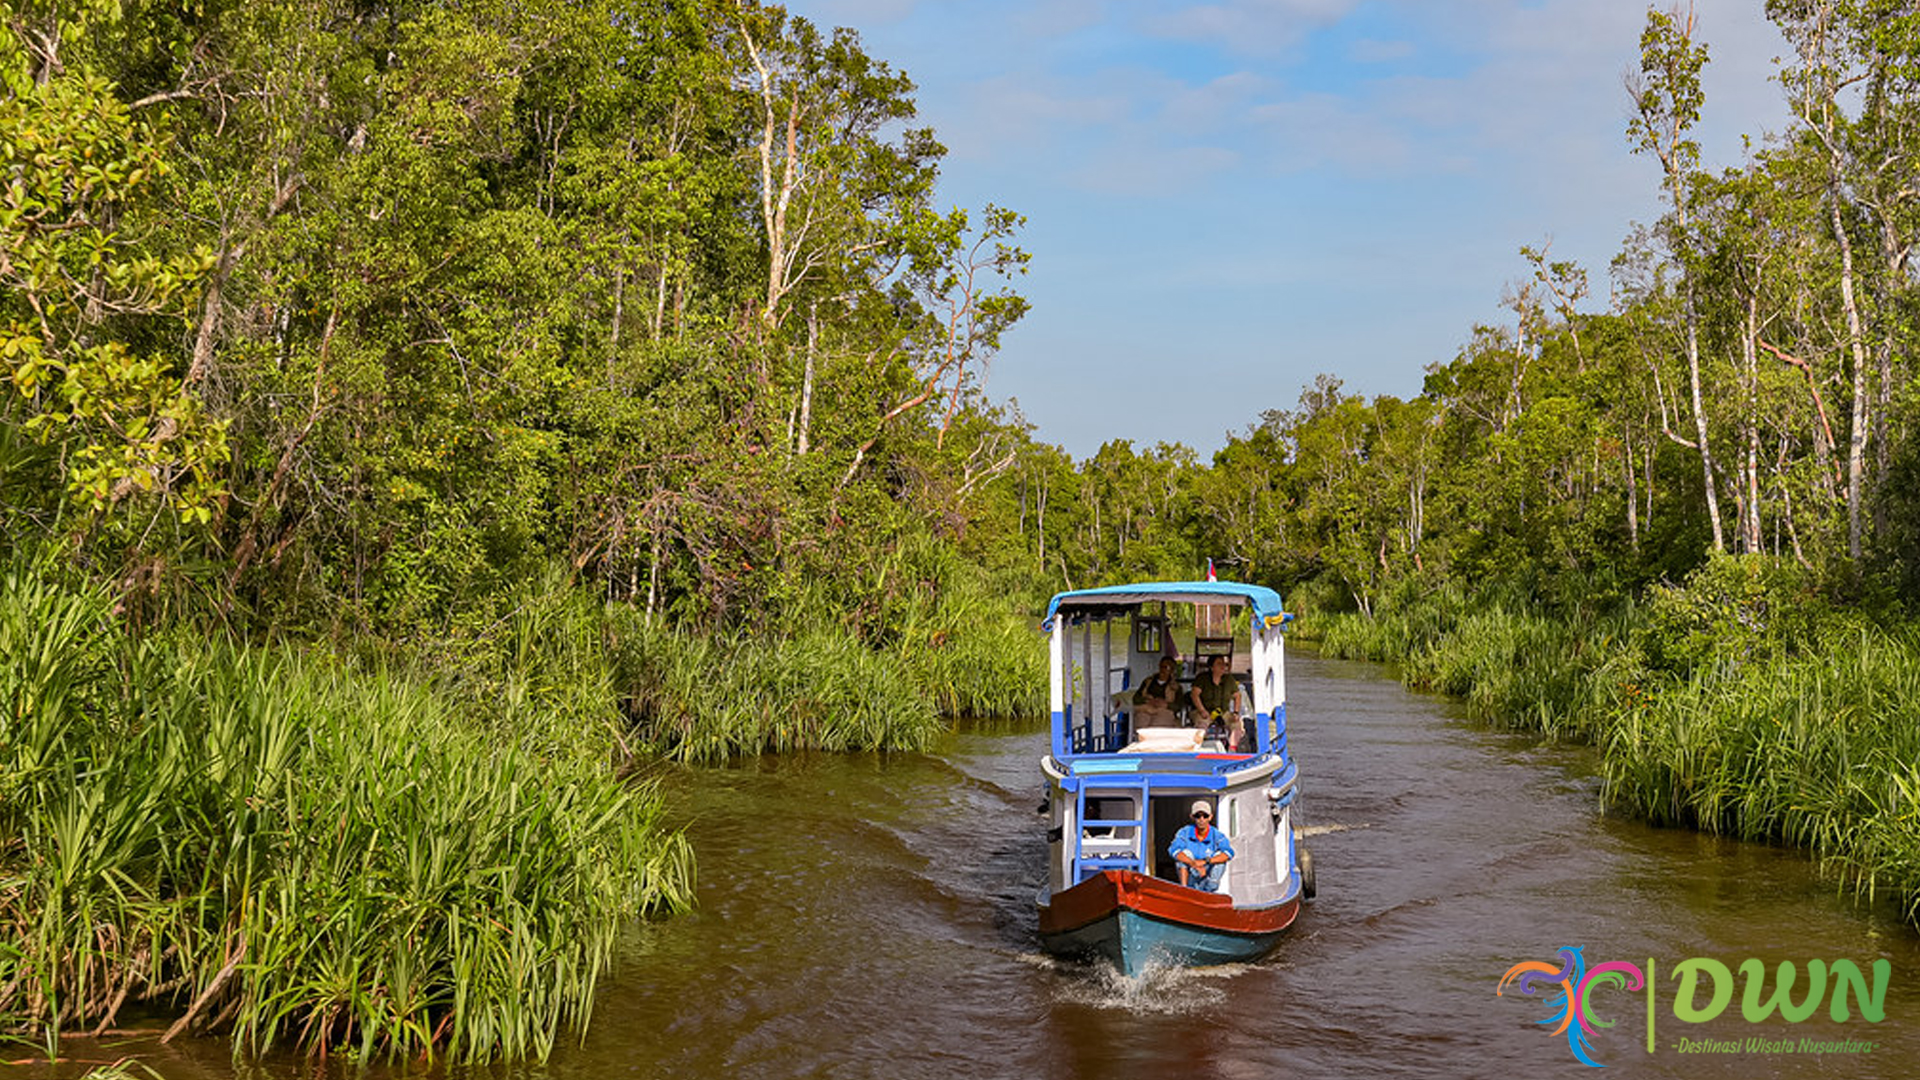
[(1216, 693)]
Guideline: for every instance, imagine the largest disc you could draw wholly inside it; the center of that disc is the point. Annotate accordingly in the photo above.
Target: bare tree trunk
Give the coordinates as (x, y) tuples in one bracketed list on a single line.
[(1416, 512), (775, 199), (1095, 537), (211, 313), (613, 336), (653, 574), (1633, 490), (1793, 531), (1857, 347), (1040, 521), (1665, 115), (1708, 472), (806, 382), (1823, 440), (1818, 108), (1894, 252), (207, 336), (1750, 426), (1653, 453)]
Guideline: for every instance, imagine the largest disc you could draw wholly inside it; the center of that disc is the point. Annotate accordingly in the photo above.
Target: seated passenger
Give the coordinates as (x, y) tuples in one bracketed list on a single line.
[(1216, 697), (1201, 850), (1155, 704)]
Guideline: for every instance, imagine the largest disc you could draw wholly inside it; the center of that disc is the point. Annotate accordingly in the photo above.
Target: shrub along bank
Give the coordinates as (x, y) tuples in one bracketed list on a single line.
[(888, 678), (298, 851), (1741, 701), (345, 854)]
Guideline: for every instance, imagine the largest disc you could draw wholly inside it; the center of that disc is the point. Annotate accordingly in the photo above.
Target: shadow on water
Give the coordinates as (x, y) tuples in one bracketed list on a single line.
[(873, 916)]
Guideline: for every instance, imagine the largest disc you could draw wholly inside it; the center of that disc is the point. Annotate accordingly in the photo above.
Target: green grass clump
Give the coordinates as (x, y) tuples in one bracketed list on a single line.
[(1512, 662), (993, 667), (705, 698), (1407, 624), (1818, 751), (1525, 670), (927, 641), (409, 850), (1741, 701), (297, 852)]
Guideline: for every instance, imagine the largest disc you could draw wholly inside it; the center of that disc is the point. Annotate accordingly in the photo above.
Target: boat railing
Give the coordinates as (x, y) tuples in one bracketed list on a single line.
[(1206, 763)]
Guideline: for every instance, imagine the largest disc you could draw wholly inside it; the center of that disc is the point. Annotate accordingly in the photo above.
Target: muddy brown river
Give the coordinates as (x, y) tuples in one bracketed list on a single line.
[(872, 916)]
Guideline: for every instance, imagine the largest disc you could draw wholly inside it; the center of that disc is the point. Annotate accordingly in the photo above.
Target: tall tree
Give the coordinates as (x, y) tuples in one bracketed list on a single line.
[(1864, 51), (1667, 101)]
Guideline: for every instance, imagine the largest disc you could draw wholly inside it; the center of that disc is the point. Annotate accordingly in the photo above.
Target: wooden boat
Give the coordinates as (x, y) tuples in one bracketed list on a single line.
[(1117, 795)]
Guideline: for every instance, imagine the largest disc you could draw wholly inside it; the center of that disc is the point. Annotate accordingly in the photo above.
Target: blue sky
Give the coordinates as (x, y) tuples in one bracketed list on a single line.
[(1226, 199)]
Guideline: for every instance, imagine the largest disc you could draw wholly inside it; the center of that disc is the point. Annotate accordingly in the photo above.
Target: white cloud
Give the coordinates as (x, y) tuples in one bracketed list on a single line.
[(1247, 26), (1374, 51), (1012, 116), (1317, 131), (1311, 160), (859, 14), (1144, 169), (1055, 18), (1210, 106)]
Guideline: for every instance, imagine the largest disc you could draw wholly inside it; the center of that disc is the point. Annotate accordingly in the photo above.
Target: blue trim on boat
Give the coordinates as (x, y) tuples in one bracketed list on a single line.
[(1266, 603), (1156, 780), (1108, 765)]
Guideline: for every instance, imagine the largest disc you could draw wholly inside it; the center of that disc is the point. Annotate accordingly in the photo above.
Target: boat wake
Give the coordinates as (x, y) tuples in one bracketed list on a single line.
[(1166, 989), (1322, 830)]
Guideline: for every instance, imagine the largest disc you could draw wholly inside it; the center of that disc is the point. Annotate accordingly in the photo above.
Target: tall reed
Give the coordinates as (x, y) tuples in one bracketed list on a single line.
[(1818, 751), (298, 852), (1738, 702), (339, 853), (704, 698), (1407, 623), (927, 639), (1513, 663)]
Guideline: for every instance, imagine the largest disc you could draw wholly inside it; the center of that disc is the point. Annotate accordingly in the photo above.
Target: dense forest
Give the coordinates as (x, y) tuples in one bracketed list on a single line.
[(423, 420)]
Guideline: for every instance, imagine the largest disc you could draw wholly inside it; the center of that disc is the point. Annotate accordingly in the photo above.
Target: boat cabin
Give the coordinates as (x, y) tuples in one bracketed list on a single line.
[(1107, 642), (1120, 791)]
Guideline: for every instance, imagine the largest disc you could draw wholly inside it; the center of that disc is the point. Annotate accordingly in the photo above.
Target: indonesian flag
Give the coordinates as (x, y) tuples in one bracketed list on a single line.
[(1210, 574)]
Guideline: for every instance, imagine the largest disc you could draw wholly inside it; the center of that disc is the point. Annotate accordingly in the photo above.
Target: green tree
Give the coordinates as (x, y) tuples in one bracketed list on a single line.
[(1668, 99), (88, 284)]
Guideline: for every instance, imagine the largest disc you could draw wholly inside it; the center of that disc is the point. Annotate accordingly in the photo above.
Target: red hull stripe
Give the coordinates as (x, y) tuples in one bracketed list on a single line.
[(1112, 890)]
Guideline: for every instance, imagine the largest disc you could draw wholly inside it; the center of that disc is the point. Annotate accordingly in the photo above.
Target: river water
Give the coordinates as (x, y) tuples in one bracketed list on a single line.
[(872, 916)]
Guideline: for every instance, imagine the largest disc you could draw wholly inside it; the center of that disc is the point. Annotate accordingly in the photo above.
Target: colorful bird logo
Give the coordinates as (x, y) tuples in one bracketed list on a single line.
[(1571, 1016), (1528, 976)]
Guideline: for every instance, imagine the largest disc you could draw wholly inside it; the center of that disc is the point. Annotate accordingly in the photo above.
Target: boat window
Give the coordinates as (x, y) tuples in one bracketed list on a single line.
[(1110, 808), (1146, 635)]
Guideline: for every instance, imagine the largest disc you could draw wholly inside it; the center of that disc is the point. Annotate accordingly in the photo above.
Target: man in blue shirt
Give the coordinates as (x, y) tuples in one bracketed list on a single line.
[(1201, 850)]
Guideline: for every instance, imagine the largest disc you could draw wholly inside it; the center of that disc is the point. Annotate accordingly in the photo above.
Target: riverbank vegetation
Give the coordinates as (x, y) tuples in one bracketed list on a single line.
[(1742, 701), (419, 424), (302, 851), (1684, 528), (429, 421)]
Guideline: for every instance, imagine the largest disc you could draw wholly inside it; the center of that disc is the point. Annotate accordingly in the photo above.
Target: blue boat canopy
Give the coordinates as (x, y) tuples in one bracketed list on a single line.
[(1266, 603)]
